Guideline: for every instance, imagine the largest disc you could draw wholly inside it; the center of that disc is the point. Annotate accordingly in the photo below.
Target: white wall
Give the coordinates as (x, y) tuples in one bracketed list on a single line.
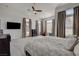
[(62, 8), (11, 15), (15, 33)]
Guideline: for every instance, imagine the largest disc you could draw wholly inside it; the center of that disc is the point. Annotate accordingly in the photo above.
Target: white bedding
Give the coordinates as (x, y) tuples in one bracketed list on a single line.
[(40, 46)]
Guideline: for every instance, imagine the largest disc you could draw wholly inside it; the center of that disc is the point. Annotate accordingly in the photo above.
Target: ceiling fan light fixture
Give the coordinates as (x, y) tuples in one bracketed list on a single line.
[(34, 12)]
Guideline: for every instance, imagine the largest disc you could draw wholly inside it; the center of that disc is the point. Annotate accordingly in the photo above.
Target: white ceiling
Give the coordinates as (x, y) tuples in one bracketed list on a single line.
[(26, 8)]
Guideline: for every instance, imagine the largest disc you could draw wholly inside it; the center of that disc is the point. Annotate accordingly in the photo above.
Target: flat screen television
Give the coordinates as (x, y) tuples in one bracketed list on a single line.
[(13, 25)]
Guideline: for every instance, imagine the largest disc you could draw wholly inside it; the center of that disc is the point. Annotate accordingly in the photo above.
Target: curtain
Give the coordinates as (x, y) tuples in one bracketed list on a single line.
[(45, 28), (61, 24), (30, 27), (41, 27), (24, 28), (53, 27), (76, 21), (37, 28)]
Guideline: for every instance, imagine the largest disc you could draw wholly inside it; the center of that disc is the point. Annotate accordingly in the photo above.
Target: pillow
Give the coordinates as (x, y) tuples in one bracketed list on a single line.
[(76, 50), (76, 42), (67, 43)]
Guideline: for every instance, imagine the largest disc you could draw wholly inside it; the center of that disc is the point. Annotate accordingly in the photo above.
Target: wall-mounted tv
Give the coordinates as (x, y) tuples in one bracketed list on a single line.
[(13, 25)]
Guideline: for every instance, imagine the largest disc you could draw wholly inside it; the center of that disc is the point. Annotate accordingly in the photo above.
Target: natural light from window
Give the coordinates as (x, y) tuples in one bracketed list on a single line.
[(49, 26), (69, 23)]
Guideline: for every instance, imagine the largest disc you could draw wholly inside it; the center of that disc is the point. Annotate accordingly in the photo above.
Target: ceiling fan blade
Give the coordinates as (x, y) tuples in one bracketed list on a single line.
[(38, 10), (33, 8)]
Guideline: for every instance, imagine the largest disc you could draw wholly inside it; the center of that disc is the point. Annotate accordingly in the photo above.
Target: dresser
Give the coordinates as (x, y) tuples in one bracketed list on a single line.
[(5, 45)]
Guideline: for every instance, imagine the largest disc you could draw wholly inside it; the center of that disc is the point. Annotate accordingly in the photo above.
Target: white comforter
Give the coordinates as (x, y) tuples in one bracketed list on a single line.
[(39, 46)]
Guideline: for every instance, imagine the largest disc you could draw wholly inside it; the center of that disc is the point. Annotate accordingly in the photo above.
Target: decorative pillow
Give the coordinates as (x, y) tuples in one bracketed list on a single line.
[(76, 50), (70, 43), (67, 43), (74, 44)]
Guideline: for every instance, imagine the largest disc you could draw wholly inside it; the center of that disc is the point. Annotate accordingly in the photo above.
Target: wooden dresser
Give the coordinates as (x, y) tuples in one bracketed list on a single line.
[(5, 45)]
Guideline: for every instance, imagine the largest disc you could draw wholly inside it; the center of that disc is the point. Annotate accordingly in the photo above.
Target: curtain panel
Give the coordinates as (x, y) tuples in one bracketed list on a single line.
[(53, 27), (24, 28), (45, 28), (30, 27), (41, 27), (37, 28), (61, 24), (76, 21)]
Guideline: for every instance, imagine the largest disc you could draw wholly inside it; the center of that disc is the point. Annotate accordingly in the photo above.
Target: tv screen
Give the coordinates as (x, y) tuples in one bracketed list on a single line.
[(13, 25)]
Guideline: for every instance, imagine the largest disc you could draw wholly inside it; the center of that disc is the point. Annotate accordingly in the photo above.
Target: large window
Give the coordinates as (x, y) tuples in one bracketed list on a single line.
[(69, 23), (39, 26), (49, 26), (27, 27)]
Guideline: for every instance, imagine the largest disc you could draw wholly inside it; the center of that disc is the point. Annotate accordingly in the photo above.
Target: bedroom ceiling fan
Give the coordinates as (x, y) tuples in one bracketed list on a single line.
[(35, 11)]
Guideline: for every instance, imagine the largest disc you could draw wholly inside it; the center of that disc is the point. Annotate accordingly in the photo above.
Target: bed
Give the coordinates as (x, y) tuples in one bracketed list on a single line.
[(43, 46)]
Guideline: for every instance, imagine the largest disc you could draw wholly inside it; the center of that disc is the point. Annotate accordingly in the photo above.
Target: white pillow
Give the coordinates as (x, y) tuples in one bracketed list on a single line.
[(67, 43), (70, 44), (76, 50)]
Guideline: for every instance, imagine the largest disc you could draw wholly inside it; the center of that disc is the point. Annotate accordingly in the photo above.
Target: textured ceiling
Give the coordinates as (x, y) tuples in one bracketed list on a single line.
[(48, 9)]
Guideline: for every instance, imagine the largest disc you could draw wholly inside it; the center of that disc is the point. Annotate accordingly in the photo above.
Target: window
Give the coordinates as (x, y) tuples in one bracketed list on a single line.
[(49, 26), (69, 23), (27, 27), (39, 26)]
